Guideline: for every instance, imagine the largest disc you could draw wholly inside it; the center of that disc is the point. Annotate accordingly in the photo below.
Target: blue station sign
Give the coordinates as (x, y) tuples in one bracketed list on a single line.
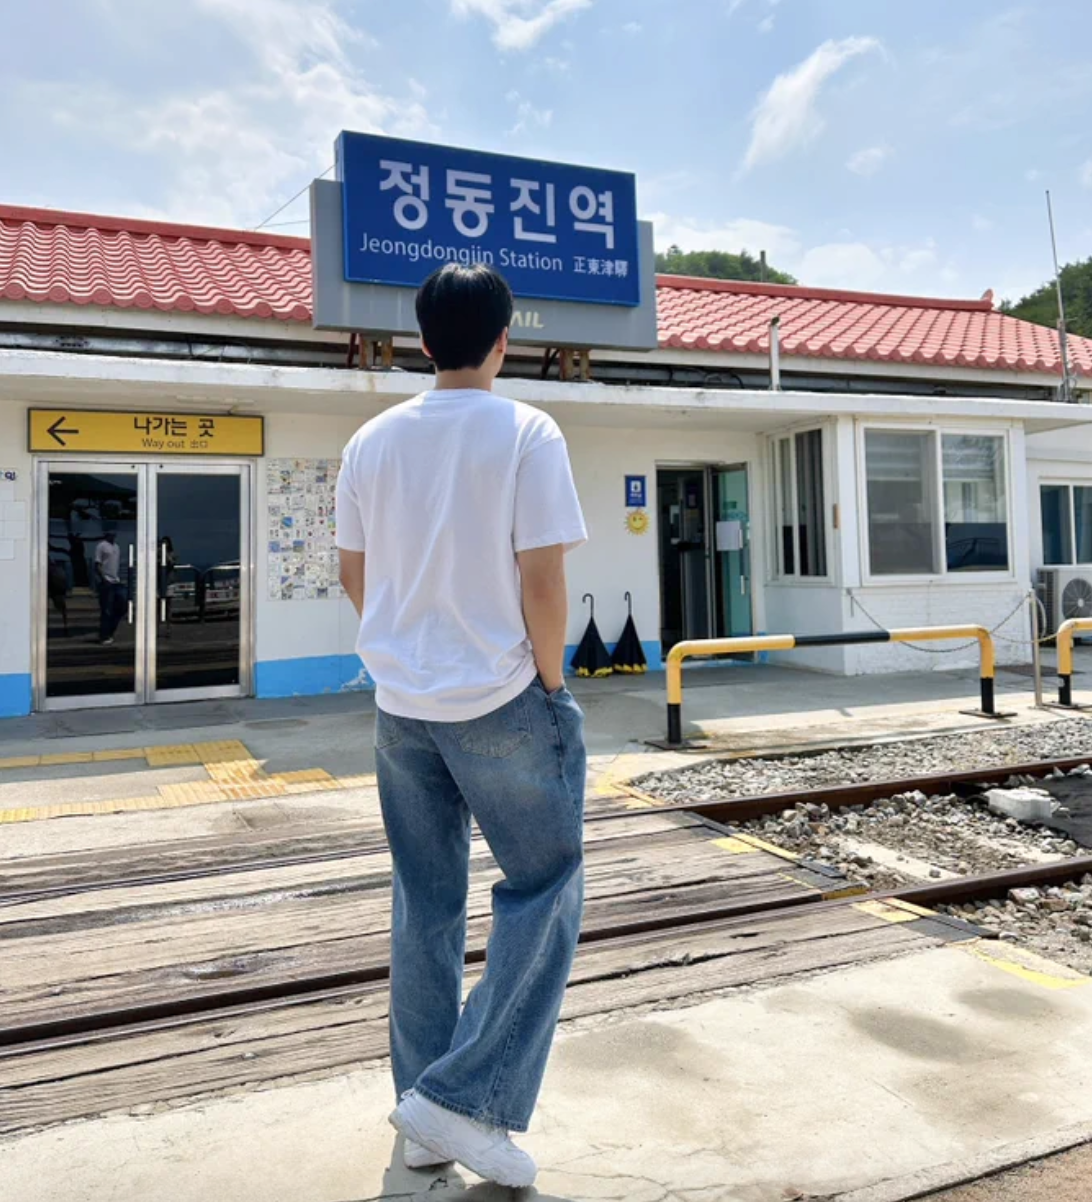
[(554, 231)]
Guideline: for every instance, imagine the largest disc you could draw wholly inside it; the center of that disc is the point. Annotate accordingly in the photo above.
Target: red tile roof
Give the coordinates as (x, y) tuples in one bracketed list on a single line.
[(72, 258), (725, 315)]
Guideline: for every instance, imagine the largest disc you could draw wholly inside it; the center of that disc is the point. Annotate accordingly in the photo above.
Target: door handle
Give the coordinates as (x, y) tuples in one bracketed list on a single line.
[(130, 612), (131, 559), (163, 610)]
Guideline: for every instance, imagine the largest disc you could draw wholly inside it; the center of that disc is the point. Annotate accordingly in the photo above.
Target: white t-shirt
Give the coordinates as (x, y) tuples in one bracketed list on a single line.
[(440, 493), (108, 557)]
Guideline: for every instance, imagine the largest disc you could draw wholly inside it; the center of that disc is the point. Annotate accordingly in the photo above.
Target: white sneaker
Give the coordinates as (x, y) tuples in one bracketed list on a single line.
[(418, 1157), (484, 1150)]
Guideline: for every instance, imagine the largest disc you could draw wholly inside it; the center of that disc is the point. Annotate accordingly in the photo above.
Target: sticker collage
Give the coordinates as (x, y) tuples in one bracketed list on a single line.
[(302, 561)]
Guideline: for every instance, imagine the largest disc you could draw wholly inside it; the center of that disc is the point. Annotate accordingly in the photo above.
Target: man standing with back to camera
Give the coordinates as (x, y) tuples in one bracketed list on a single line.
[(461, 506)]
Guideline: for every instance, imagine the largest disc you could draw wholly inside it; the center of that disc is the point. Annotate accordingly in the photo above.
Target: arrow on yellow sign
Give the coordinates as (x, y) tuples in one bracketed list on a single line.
[(58, 428)]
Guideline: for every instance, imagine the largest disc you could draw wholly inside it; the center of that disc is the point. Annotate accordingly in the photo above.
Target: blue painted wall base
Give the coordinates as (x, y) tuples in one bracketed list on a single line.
[(316, 674), (15, 695), (309, 676)]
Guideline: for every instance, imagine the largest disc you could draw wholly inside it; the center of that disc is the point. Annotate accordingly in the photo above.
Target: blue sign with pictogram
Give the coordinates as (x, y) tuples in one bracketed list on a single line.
[(554, 231), (636, 492)]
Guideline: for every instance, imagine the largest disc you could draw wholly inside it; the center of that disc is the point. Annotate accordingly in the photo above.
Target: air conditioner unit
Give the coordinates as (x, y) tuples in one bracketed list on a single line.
[(1066, 593)]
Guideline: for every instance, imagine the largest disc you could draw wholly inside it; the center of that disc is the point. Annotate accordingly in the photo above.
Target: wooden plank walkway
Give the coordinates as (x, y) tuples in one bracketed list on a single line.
[(88, 935), (98, 1073), (101, 949)]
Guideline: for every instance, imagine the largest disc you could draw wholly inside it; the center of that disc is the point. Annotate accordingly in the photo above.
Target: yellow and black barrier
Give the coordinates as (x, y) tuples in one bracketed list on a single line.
[(1064, 639), (703, 648)]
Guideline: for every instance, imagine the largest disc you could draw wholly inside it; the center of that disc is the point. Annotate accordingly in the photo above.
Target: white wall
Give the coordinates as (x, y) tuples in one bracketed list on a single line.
[(16, 523), (298, 629), (841, 605), (940, 604), (614, 560)]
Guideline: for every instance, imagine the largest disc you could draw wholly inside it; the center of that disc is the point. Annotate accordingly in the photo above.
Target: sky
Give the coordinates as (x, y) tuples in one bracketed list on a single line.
[(866, 144)]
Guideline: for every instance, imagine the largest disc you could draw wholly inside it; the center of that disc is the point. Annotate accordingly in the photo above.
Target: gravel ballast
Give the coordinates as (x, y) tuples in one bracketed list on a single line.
[(912, 838), (991, 747)]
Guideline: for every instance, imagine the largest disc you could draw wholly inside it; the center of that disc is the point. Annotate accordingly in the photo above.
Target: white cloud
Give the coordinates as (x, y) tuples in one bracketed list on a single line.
[(519, 24), (850, 263), (786, 117), (869, 160), (1086, 174), (863, 267), (229, 155), (744, 233), (527, 116), (766, 24), (980, 224), (1032, 174), (633, 28)]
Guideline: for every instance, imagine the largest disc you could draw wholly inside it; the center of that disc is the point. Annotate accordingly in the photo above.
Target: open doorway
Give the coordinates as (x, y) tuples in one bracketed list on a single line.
[(705, 555)]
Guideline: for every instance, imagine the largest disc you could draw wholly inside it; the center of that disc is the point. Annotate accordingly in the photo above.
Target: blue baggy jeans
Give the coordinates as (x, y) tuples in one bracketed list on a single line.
[(520, 773)]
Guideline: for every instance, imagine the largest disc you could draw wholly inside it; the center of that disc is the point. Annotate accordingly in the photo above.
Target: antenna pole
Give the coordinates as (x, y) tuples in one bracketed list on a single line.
[(1067, 380)]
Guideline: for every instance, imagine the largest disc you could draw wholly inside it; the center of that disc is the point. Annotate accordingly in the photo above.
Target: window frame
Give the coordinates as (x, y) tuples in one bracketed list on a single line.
[(778, 575), (1071, 484), (937, 431)]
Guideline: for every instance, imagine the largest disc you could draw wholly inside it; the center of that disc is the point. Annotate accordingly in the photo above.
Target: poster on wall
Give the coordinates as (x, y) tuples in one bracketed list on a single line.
[(302, 559)]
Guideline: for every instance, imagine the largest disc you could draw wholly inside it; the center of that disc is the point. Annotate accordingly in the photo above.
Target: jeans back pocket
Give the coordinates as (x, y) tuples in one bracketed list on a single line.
[(496, 735)]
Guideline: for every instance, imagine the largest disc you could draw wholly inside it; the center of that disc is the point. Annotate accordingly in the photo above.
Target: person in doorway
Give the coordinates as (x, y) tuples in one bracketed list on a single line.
[(461, 504), (108, 578)]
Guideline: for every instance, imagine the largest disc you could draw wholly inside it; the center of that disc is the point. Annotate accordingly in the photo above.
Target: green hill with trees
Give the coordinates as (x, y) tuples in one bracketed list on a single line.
[(718, 265), (1041, 306)]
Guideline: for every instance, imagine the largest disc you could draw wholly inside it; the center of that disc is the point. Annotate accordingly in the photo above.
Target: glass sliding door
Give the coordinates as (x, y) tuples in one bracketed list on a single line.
[(143, 583), (733, 553), (87, 584), (198, 526)]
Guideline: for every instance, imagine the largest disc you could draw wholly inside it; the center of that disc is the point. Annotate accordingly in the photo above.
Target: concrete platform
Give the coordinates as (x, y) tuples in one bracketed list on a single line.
[(860, 1084)]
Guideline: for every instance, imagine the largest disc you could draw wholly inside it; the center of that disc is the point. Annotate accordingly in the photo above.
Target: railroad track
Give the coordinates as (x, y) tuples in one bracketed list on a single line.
[(701, 931), (724, 811)]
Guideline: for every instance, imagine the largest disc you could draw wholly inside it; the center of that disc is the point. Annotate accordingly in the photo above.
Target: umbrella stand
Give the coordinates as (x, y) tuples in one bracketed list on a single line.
[(629, 655), (591, 658)]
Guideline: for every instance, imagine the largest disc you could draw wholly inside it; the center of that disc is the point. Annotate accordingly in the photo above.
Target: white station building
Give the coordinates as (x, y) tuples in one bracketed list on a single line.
[(914, 466)]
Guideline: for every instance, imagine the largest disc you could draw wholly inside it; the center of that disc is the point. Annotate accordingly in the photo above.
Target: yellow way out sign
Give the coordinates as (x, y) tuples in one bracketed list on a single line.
[(143, 433), (100, 432)]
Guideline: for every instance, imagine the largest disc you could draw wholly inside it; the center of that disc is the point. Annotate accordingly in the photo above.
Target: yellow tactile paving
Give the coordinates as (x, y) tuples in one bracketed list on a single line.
[(303, 774), (233, 775), (364, 781), (222, 752), (193, 792), (236, 772), (130, 753), (172, 755)]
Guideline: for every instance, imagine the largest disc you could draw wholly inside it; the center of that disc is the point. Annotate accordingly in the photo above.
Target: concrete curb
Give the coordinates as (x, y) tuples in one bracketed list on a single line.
[(926, 1182)]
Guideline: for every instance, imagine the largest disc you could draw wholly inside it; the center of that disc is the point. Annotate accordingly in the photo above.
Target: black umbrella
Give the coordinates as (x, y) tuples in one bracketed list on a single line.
[(629, 655), (592, 657)]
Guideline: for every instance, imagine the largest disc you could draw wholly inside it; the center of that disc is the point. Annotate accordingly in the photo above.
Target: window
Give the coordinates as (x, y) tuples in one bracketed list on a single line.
[(936, 503), (801, 505), (901, 471), (1066, 511), (976, 532)]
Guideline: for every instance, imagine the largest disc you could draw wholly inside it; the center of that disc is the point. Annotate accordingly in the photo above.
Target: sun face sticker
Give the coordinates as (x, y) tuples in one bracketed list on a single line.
[(637, 521)]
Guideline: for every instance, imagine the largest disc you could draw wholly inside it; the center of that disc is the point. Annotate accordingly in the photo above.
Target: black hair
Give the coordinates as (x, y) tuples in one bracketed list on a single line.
[(462, 311)]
